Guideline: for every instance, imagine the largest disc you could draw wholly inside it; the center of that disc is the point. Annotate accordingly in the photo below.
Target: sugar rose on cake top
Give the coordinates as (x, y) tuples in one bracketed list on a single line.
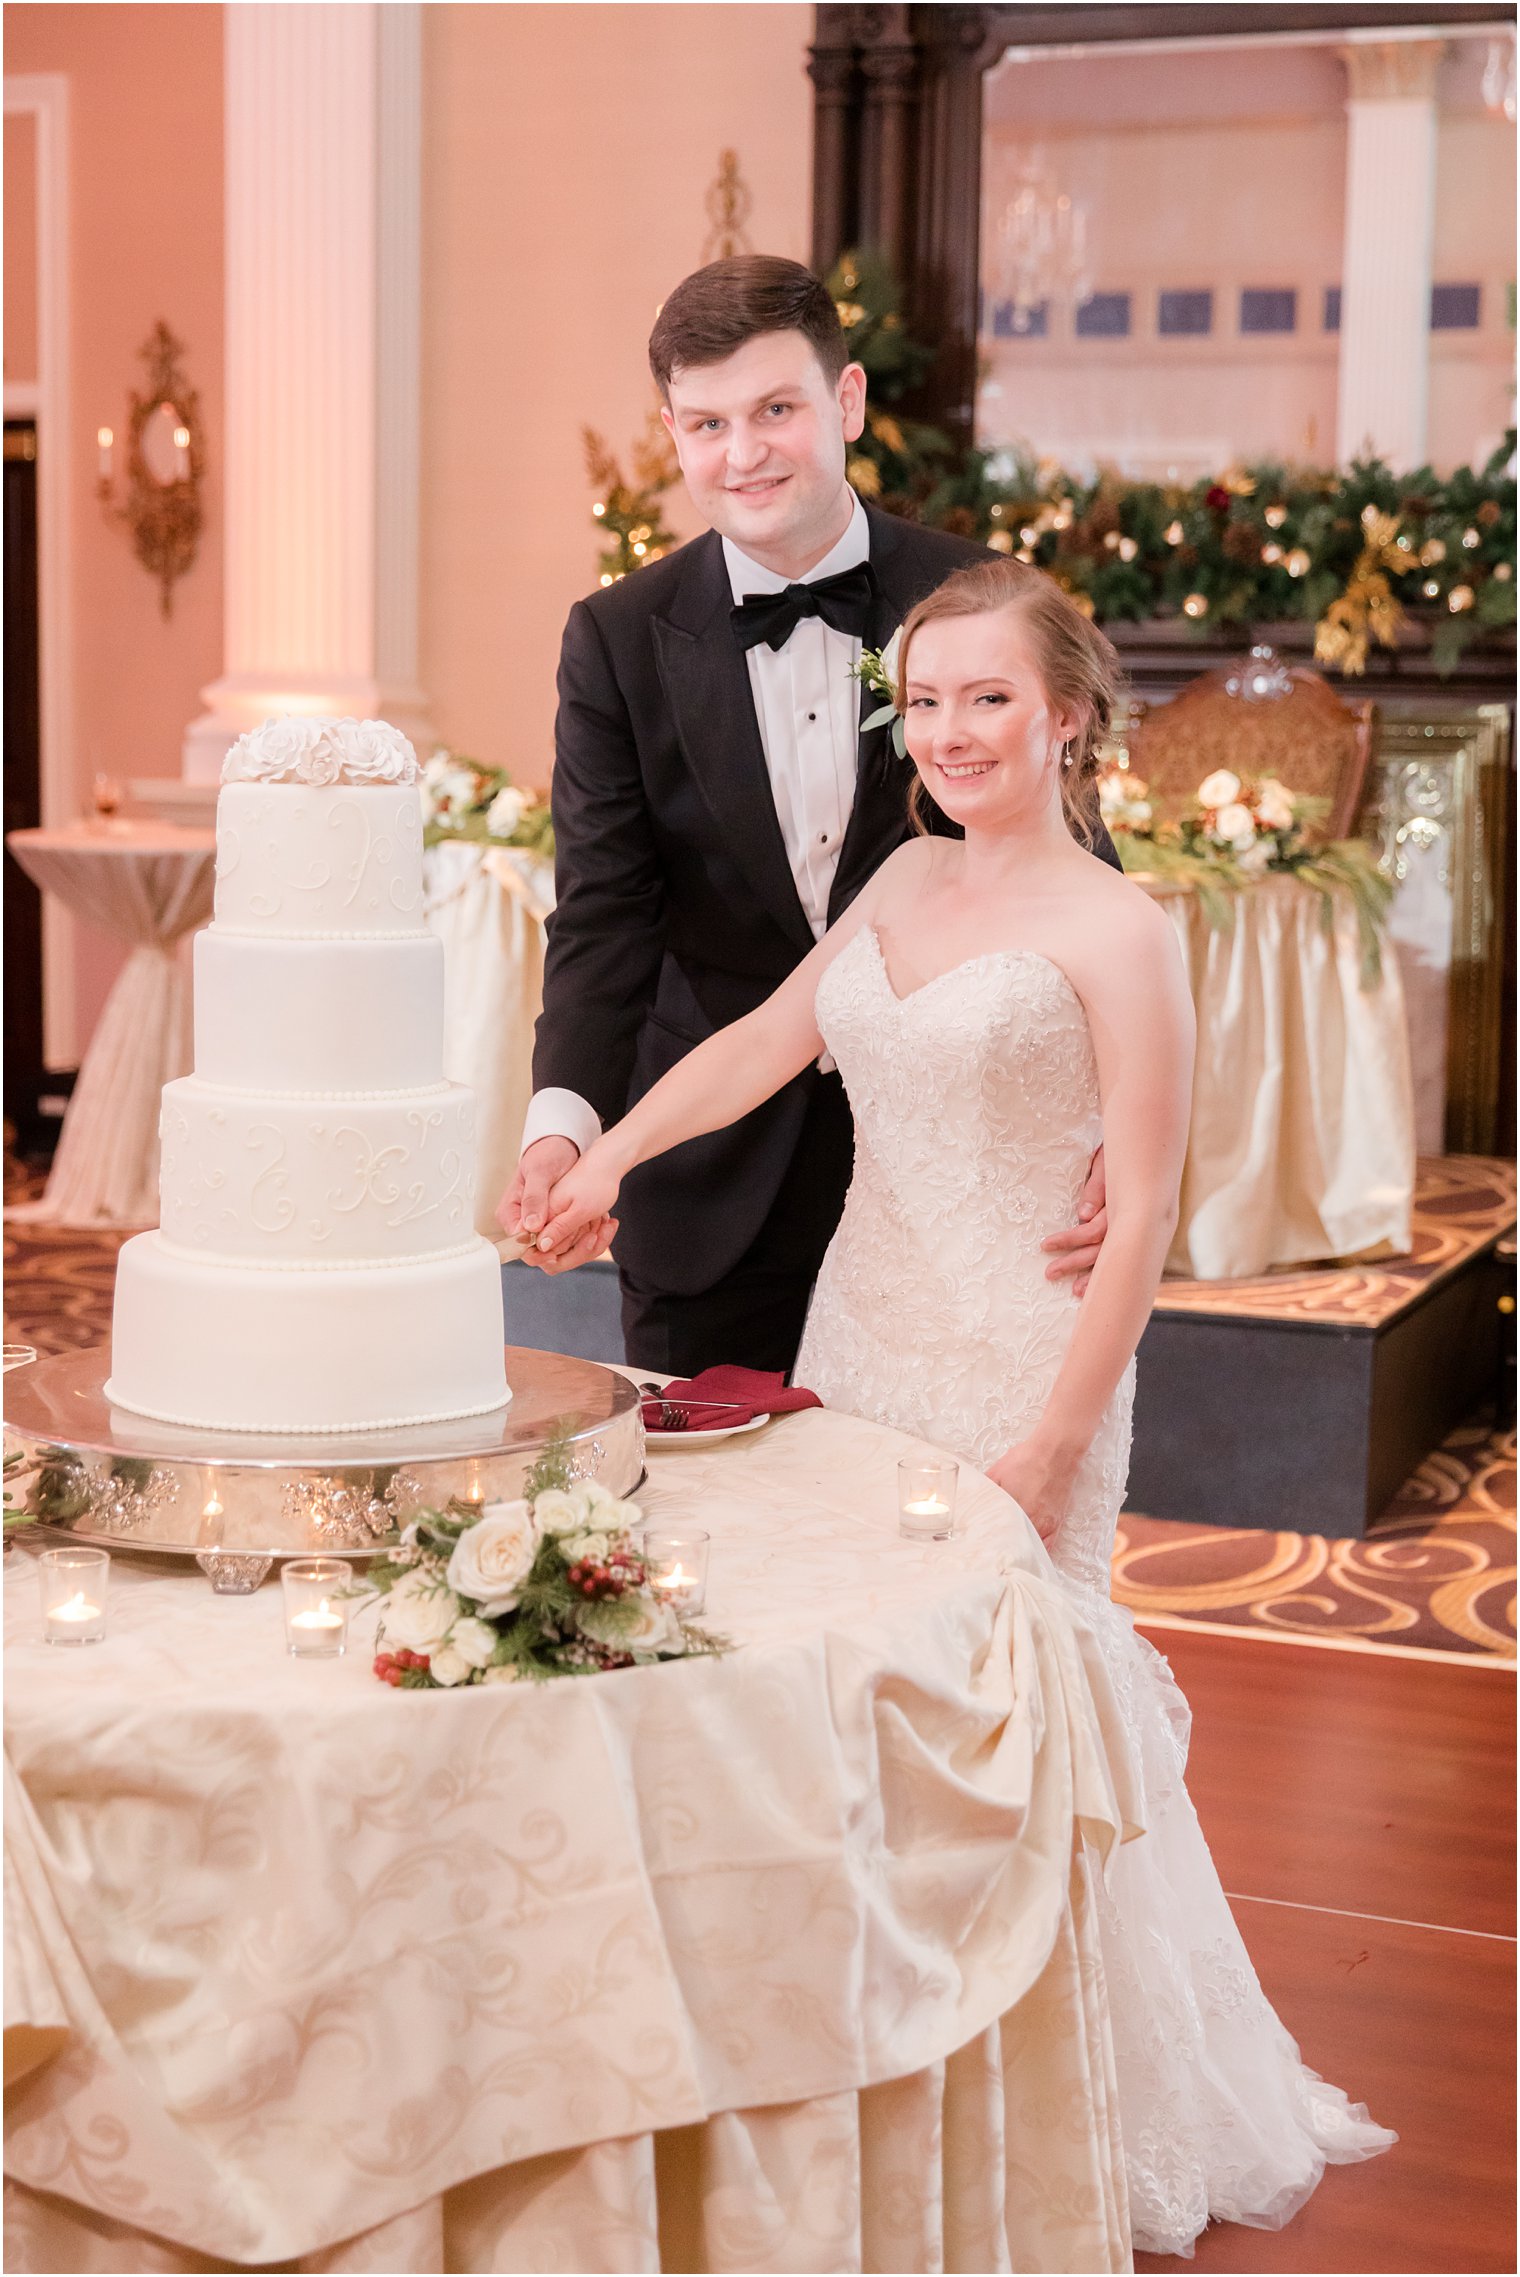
[(320, 751)]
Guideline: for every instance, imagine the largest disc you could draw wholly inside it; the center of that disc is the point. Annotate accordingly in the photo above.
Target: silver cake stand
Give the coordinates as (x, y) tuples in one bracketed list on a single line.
[(237, 1501)]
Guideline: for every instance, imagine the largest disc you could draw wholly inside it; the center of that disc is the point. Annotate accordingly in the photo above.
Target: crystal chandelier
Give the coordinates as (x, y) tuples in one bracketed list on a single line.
[(1039, 248)]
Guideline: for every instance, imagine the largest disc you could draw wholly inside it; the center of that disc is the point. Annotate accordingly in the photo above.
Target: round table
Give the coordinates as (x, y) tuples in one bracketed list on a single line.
[(151, 882), (783, 1960)]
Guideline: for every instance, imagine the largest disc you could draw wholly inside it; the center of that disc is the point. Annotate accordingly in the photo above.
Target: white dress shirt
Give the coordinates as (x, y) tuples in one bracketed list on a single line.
[(807, 705)]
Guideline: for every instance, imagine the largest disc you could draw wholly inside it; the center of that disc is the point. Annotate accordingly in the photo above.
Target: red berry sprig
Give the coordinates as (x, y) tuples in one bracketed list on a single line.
[(598, 1581), (392, 1667)]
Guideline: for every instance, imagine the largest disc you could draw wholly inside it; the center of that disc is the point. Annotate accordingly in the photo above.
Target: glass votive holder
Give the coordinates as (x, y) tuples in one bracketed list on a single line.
[(316, 1612), (74, 1584), (677, 1567), (926, 1498)]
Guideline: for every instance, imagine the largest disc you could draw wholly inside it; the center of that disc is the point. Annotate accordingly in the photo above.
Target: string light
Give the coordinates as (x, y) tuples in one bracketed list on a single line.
[(1275, 516), (1196, 605), (1174, 533), (1432, 551), (1127, 549), (1459, 598), (1430, 589), (1269, 554), (1297, 562)]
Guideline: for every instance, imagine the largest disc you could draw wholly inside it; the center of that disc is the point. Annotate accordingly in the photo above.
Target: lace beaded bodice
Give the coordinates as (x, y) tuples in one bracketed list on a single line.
[(976, 1120)]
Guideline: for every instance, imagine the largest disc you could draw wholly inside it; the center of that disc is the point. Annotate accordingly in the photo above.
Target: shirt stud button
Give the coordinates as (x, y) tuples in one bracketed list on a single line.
[(812, 715)]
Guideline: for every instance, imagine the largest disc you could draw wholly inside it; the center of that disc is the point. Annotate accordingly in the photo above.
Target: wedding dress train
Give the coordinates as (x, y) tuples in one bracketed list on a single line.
[(975, 1102)]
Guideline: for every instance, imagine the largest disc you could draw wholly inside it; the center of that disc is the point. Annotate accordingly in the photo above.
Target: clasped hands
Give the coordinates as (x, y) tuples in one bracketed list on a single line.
[(559, 1205)]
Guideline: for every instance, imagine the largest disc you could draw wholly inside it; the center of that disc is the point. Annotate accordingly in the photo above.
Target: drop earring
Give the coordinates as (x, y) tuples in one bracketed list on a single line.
[(1066, 755)]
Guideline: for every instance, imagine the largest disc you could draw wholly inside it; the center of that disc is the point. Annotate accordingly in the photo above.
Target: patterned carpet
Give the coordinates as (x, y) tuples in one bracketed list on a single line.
[(1436, 1574)]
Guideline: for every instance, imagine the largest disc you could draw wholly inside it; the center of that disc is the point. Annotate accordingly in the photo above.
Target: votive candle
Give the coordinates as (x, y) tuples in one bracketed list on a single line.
[(74, 1595), (316, 1612), (677, 1567), (926, 1498)]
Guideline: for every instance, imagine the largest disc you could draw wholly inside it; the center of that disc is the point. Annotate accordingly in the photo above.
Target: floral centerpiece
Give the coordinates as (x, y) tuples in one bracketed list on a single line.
[(551, 1585), (462, 799), (1232, 832)]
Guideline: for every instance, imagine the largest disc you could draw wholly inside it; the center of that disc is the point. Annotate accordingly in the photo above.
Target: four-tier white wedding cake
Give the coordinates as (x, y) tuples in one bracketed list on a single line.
[(316, 1266)]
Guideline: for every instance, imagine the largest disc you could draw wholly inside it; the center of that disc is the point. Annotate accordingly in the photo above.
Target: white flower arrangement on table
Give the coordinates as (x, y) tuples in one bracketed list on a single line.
[(461, 799), (551, 1585), (1233, 832)]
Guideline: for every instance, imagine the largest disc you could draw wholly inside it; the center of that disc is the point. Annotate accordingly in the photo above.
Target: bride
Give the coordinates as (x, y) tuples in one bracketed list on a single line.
[(999, 1008)]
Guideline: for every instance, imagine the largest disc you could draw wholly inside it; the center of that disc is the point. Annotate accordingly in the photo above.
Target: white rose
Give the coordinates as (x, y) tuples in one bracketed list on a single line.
[(1274, 804), (419, 1612), (585, 1549), (493, 1558), (890, 655), (1255, 858), (375, 752), (448, 1666), (1219, 789), (1233, 826), (558, 1512), (473, 1640), (505, 1674), (505, 811), (633, 1624), (603, 1510)]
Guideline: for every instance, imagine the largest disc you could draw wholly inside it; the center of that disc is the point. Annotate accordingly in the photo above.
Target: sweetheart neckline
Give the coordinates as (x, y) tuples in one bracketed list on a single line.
[(967, 964)]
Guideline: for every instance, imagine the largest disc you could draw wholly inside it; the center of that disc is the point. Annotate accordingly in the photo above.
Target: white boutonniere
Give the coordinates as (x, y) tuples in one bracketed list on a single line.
[(877, 670)]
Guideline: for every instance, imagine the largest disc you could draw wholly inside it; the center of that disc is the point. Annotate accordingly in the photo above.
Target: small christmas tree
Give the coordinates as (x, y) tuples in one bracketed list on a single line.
[(628, 512)]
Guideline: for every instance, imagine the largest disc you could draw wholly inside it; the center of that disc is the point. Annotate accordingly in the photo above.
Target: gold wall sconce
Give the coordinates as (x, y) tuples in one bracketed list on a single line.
[(165, 467)]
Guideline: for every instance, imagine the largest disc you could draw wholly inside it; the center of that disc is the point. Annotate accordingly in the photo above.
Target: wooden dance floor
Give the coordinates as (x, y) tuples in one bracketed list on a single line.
[(1361, 1812)]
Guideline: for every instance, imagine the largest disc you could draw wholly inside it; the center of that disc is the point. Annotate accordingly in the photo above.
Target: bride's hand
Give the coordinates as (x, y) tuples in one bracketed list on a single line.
[(1040, 1479), (579, 1222)]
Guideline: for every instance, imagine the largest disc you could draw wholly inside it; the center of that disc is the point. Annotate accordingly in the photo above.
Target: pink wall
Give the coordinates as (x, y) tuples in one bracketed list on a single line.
[(145, 190), (566, 154), (21, 246)]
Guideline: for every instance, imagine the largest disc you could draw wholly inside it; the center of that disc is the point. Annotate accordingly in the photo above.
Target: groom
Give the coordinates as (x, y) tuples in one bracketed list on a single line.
[(715, 809)]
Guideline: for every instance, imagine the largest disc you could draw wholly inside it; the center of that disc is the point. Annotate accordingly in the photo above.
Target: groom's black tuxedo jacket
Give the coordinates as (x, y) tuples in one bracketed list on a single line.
[(677, 911)]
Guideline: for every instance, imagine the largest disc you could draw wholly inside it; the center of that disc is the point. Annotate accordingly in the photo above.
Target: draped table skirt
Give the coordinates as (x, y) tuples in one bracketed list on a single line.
[(784, 1960), (1302, 1140)]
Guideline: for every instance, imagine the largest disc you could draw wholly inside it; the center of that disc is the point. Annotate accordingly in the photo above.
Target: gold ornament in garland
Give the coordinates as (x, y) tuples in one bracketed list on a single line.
[(628, 512), (1369, 609)]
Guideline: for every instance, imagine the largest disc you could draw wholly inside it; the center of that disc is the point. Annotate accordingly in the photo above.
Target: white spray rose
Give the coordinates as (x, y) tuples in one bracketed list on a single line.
[(505, 811), (891, 654), (506, 1674), (586, 1549), (1234, 827), (419, 1612), (560, 1512), (632, 1624), (449, 1667), (1255, 858), (604, 1511), (493, 1558), (473, 1640), (1219, 789), (1274, 804)]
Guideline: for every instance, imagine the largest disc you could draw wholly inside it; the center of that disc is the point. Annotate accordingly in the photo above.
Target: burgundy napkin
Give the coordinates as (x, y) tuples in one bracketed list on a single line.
[(743, 1393)]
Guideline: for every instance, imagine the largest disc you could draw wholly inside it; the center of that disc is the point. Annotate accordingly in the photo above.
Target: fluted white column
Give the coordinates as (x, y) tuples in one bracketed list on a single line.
[(323, 166), (1384, 380)]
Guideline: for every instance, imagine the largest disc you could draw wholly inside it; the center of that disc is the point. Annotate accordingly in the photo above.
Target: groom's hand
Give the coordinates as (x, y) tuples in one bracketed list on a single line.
[(524, 1208), (1076, 1250)]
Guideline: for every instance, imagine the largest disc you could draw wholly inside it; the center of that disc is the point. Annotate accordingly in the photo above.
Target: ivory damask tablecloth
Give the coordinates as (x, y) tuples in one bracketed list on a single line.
[(1302, 1140), (784, 1961)]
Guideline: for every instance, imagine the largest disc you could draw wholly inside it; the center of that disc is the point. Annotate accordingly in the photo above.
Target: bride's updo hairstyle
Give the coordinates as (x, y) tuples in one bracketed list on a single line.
[(1078, 669)]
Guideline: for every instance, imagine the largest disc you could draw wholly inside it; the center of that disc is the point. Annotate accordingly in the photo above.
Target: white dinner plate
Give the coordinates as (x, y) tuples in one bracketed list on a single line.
[(653, 1439)]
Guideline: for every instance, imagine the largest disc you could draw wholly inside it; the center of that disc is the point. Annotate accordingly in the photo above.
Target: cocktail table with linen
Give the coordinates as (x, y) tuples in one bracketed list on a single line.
[(783, 1960)]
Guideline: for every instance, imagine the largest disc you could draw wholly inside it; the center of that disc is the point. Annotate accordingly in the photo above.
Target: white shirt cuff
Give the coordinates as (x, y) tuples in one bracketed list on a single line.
[(560, 1114)]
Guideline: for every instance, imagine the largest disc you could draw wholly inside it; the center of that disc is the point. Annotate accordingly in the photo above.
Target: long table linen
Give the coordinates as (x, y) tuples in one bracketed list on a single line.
[(1302, 1140), (152, 883), (779, 1961)]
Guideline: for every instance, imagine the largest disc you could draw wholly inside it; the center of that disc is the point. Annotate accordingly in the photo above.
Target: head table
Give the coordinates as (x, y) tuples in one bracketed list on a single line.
[(780, 1961)]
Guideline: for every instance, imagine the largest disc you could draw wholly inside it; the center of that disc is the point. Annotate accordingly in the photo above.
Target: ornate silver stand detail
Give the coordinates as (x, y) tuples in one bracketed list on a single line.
[(231, 1500)]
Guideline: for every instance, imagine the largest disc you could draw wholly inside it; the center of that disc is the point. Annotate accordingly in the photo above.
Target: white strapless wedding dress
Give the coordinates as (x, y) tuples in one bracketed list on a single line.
[(976, 1118)]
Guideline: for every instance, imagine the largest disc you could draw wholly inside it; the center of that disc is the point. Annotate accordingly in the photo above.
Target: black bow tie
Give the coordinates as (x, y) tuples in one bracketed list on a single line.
[(843, 601)]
